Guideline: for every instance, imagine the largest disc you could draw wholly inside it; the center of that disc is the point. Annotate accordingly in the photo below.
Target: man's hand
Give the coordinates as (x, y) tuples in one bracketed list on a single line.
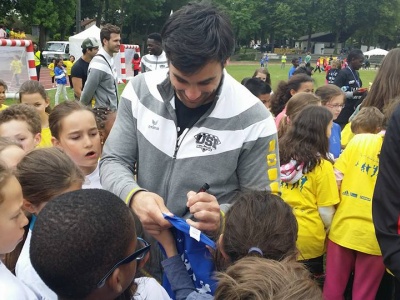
[(205, 209), (149, 207)]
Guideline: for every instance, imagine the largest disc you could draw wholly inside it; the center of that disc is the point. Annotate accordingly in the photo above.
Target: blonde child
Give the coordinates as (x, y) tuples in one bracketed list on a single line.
[(43, 174), (74, 129), (21, 123), (352, 243), (3, 91), (308, 182), (266, 279), (60, 74), (12, 222), (85, 246), (258, 224), (332, 97), (33, 93), (294, 106), (51, 67)]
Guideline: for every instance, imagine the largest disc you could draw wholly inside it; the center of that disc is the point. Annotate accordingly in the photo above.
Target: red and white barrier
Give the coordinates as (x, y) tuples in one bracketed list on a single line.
[(29, 53), (122, 48)]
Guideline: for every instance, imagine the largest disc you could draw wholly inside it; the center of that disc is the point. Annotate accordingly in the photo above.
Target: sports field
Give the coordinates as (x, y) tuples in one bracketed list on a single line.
[(240, 70)]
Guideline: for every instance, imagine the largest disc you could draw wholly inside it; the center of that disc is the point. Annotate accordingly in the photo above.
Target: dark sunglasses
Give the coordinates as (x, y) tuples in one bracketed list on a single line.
[(138, 255)]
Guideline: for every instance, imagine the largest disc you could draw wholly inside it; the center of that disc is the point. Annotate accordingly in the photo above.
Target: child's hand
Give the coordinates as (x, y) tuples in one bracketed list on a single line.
[(166, 239)]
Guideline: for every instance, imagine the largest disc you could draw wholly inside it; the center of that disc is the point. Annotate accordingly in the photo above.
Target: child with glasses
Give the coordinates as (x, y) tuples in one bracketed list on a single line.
[(352, 244), (333, 99), (85, 246)]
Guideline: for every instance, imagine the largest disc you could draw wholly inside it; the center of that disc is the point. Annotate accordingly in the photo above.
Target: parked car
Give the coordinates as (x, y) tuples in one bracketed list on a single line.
[(55, 49)]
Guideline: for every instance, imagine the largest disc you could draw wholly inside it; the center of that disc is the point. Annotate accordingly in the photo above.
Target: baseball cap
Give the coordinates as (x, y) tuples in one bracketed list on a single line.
[(90, 42)]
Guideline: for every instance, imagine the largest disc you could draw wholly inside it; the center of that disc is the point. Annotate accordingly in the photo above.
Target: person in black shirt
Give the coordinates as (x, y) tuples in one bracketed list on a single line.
[(348, 79), (79, 70)]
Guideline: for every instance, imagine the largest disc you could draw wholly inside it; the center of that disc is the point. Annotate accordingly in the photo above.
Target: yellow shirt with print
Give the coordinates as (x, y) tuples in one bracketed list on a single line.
[(314, 189), (16, 66), (46, 138), (68, 64), (352, 225), (346, 135)]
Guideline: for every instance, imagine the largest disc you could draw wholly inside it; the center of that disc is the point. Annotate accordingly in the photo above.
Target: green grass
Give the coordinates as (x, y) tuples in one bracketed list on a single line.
[(242, 70)]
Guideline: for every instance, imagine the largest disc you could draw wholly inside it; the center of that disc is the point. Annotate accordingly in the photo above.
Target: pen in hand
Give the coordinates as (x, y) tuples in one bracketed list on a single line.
[(204, 188)]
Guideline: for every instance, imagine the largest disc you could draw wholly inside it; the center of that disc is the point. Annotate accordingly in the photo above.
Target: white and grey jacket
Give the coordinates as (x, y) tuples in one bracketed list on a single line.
[(151, 62), (232, 147), (101, 82)]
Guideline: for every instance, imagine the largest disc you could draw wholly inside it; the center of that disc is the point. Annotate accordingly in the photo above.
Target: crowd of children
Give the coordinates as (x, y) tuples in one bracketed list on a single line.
[(270, 247)]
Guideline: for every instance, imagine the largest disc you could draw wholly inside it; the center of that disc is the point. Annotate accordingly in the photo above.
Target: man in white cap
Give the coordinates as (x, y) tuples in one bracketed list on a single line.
[(79, 70)]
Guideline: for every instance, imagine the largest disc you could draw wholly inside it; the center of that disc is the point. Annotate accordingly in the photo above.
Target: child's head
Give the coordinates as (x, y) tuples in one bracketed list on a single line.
[(368, 120), (295, 62), (97, 222), (72, 58), (73, 128), (11, 152), (3, 91), (260, 89), (287, 89), (33, 93), (135, 56), (294, 106), (58, 62), (12, 219), (336, 64), (263, 74), (264, 279), (307, 139), (332, 97), (257, 224), (44, 174), (21, 123)]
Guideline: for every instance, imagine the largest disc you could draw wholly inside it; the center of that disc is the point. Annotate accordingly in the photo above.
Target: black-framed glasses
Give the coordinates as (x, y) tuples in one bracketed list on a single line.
[(138, 255)]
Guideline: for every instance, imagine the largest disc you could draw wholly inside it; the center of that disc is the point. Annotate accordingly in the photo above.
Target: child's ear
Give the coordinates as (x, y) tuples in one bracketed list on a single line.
[(47, 101), (29, 207), (292, 92), (37, 138), (55, 142), (115, 281), (221, 247)]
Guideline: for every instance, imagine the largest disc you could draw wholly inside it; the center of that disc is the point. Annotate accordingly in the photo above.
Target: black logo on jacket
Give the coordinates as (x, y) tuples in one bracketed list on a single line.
[(206, 141)]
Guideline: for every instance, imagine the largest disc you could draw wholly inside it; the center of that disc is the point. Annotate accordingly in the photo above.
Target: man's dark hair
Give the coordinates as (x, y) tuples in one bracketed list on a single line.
[(78, 237), (354, 54), (155, 36), (257, 87), (106, 30), (195, 35)]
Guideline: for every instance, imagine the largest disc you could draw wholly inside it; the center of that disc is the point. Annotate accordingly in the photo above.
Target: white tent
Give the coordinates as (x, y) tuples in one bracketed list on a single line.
[(376, 51), (76, 40)]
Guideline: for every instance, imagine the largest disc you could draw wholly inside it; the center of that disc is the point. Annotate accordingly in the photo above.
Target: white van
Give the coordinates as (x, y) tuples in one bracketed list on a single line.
[(55, 49)]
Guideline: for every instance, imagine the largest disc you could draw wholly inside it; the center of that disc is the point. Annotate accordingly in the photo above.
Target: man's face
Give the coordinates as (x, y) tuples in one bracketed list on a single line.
[(357, 62), (112, 46), (92, 51), (199, 88), (154, 47), (296, 63)]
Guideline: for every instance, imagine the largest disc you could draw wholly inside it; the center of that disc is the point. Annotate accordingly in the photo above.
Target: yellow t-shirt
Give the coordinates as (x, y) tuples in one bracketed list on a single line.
[(3, 107), (68, 64), (46, 138), (346, 135), (314, 189), (352, 225), (16, 66), (283, 58), (51, 68)]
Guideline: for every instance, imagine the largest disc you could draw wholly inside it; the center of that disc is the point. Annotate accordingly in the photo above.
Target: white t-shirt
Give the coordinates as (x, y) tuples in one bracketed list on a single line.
[(149, 289), (11, 288), (27, 274), (92, 181)]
